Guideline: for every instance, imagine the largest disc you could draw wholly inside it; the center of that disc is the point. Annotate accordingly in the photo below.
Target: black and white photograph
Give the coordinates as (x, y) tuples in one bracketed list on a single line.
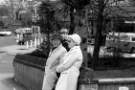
[(67, 44)]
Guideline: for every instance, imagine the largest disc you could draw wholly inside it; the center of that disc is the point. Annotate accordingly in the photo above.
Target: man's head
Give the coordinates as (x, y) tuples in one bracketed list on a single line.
[(55, 41), (63, 33)]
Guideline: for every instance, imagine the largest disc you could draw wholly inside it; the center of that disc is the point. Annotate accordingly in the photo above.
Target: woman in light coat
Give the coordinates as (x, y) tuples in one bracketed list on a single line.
[(70, 65)]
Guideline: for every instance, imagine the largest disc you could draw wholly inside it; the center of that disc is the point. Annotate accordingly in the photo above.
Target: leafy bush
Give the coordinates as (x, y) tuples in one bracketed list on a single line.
[(42, 50)]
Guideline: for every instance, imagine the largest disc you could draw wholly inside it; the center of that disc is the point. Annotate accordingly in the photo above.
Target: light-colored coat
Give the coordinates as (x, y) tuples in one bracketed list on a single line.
[(69, 69), (53, 60)]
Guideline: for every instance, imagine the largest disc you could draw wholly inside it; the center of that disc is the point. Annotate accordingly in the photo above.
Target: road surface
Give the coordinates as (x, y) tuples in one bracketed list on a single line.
[(7, 40), (7, 81)]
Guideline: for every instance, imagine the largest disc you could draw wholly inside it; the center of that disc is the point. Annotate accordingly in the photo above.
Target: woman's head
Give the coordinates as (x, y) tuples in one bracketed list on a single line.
[(74, 40)]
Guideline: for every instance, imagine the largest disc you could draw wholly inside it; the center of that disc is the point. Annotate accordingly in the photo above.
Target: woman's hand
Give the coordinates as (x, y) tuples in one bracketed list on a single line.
[(59, 69)]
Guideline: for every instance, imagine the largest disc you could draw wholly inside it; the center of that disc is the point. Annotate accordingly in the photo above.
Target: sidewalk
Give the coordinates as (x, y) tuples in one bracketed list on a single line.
[(7, 82), (7, 54), (16, 49)]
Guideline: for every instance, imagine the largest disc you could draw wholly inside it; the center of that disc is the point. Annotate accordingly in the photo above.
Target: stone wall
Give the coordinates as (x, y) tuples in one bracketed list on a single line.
[(30, 77), (27, 73)]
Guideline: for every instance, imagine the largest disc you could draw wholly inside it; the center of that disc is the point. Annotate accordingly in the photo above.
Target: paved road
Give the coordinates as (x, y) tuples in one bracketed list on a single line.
[(7, 40), (6, 63), (6, 69)]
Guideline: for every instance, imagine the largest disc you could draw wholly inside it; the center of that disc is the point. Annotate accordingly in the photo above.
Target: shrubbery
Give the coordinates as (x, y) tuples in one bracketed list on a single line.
[(42, 50)]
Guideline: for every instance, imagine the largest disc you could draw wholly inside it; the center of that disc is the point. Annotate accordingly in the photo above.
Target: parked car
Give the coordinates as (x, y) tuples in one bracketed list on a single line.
[(124, 42), (5, 33)]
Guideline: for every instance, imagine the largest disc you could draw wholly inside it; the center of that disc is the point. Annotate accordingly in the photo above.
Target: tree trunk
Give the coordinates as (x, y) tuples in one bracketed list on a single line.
[(98, 34), (72, 24)]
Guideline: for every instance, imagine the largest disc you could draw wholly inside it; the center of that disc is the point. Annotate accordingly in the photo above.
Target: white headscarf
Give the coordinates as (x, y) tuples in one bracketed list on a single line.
[(76, 38)]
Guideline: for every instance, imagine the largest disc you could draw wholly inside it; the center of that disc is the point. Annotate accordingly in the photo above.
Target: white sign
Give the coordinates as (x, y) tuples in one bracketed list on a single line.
[(123, 88)]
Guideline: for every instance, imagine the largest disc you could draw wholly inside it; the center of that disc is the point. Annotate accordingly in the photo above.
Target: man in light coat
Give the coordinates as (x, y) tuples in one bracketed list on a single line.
[(70, 65), (55, 55)]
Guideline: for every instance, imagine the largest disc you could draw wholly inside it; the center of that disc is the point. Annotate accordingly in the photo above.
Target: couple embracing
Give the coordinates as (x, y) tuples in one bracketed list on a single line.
[(63, 64)]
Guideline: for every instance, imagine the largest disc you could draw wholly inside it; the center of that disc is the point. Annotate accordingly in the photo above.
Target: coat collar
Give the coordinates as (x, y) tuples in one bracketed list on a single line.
[(74, 48)]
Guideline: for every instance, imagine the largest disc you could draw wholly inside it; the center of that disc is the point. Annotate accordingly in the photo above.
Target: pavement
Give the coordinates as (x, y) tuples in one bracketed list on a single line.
[(7, 41), (16, 49), (7, 54), (8, 51), (7, 82)]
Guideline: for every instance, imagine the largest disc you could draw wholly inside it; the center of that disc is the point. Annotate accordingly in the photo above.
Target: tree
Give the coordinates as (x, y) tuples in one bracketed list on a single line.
[(104, 9), (25, 18), (101, 9), (13, 5), (74, 6), (18, 9), (47, 21), (98, 32), (4, 11)]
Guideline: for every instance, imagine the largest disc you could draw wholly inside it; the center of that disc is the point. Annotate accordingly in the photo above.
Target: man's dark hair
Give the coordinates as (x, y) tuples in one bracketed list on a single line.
[(65, 44), (56, 37)]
